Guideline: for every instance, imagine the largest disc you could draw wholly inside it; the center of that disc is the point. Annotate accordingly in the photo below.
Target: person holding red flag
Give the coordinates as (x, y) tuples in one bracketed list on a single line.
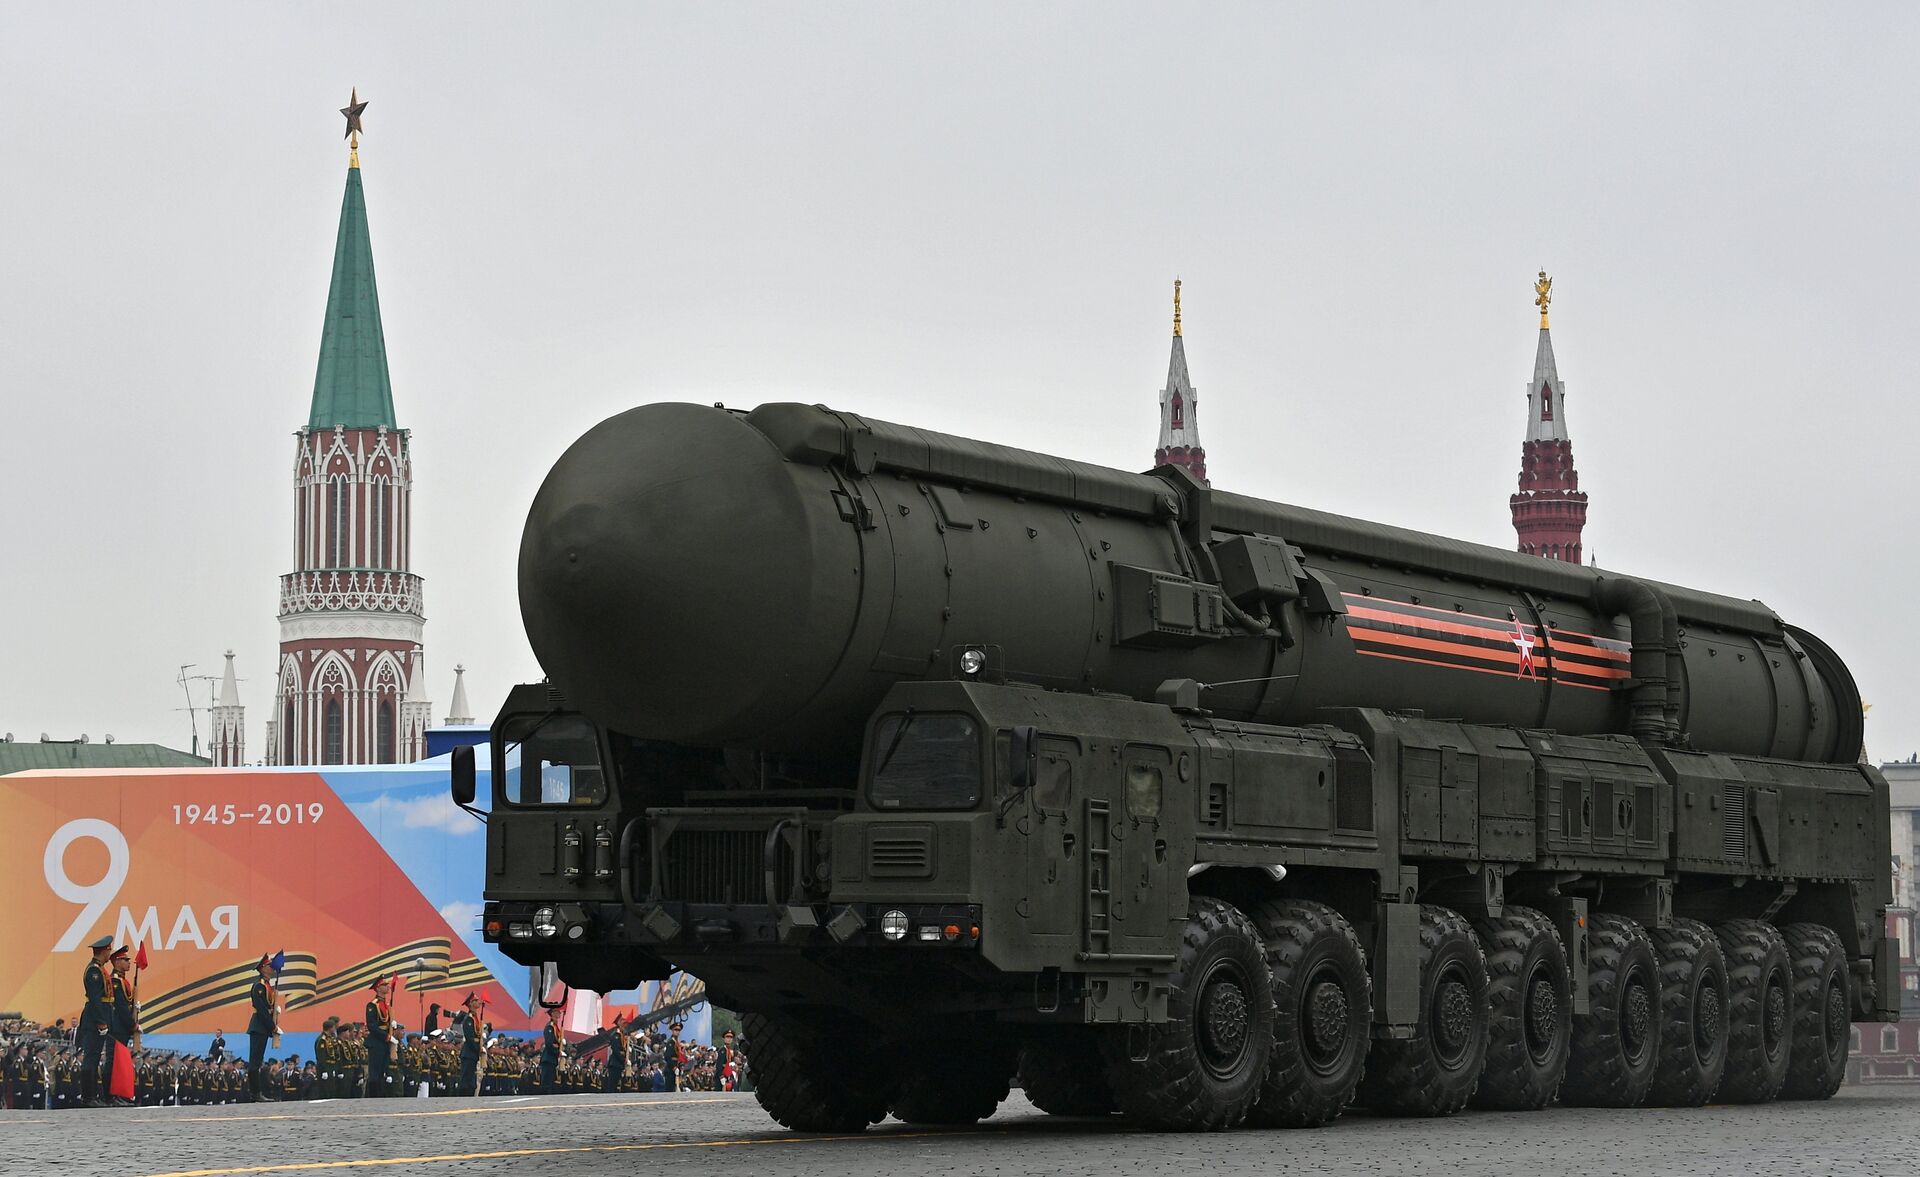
[(264, 1024), (124, 1024), (380, 1036)]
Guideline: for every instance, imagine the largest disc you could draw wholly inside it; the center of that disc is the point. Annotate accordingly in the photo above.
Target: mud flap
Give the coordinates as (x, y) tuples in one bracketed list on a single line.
[(1396, 970), (1570, 918), (1885, 999)]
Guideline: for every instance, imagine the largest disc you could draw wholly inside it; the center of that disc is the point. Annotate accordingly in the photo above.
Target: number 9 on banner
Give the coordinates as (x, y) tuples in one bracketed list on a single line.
[(94, 896)]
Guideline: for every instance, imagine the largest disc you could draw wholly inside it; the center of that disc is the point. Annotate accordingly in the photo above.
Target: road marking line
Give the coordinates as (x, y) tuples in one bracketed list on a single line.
[(538, 1107), (659, 1145)]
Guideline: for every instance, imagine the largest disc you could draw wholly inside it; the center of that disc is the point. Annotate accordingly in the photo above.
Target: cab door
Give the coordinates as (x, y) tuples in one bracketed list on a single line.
[(1054, 901), (1140, 818)]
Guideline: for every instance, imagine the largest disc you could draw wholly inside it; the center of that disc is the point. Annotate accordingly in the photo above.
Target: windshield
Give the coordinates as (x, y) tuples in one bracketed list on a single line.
[(559, 761), (925, 761)]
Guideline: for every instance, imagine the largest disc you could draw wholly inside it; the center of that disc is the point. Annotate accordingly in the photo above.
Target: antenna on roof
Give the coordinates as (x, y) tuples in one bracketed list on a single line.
[(193, 723)]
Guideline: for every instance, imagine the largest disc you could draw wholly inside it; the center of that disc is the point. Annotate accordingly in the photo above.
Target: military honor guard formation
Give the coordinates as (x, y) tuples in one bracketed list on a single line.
[(100, 1061)]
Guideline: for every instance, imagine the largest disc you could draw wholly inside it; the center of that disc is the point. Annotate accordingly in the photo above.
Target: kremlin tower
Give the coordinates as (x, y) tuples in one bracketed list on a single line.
[(1550, 509), (1179, 410), (350, 686), (227, 742)]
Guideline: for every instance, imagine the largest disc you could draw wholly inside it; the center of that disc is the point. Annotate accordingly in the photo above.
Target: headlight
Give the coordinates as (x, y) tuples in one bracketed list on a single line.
[(545, 923), (893, 925), (972, 662)]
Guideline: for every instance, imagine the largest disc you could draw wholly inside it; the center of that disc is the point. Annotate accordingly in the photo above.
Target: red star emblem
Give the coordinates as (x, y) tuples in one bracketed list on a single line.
[(1524, 643)]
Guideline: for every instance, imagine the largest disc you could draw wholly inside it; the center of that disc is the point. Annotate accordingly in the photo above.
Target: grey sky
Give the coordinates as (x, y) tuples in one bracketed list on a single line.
[(963, 217)]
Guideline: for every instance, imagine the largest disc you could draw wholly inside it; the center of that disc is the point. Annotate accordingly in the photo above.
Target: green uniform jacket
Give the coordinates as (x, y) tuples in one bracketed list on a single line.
[(96, 1019)]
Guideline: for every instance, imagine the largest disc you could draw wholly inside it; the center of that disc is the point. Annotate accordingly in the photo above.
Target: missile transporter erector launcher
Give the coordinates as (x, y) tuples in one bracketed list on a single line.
[(948, 763)]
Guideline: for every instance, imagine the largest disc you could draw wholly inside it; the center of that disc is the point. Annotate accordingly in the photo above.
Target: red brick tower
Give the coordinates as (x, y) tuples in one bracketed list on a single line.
[(351, 618), (1550, 509), (1180, 409)]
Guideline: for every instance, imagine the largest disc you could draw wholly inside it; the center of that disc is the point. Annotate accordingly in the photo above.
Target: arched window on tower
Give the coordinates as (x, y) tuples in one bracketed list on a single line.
[(1177, 413), (288, 739), (383, 733), (377, 553), (333, 733), (1546, 401), (337, 519)]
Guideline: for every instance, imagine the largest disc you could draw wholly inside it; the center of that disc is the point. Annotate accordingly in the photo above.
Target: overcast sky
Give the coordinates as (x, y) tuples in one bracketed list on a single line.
[(964, 217)]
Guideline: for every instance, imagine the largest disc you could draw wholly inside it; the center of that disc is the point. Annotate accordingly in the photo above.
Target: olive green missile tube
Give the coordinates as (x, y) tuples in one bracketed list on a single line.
[(711, 577)]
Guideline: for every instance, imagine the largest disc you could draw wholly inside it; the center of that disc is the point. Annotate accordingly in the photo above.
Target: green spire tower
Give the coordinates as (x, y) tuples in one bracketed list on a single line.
[(351, 387), (351, 684)]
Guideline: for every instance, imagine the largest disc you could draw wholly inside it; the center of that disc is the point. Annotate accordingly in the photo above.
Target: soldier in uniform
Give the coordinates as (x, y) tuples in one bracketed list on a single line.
[(616, 1057), (96, 1022), (551, 1043), (672, 1060), (379, 1037), (470, 1043), (260, 1027), (723, 1064), (122, 1024), (325, 1055)]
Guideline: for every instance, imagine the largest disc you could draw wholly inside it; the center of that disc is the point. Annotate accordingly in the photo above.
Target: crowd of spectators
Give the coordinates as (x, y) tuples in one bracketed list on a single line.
[(40, 1068)]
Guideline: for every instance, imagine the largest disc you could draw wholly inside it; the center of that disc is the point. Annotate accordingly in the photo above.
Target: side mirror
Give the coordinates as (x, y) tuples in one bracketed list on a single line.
[(1021, 750), (463, 776)]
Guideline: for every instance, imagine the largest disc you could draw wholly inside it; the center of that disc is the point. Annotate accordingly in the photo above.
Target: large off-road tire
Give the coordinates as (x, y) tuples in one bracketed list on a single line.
[(1062, 1074), (1529, 1011), (1201, 1070), (1434, 1073), (952, 1083), (1759, 1010), (817, 1078), (1822, 1013), (1323, 1014), (1693, 1015), (1616, 1043)]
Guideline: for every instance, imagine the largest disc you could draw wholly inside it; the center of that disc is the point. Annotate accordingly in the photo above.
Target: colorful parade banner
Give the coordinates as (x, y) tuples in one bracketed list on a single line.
[(354, 873)]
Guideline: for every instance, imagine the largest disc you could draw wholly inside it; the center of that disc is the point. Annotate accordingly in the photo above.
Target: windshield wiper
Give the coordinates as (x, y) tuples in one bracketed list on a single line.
[(899, 734)]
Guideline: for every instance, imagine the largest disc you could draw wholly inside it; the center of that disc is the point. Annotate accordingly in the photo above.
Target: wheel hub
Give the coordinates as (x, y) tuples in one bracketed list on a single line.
[(1836, 1016), (1773, 1024), (1542, 1017), (1452, 1017), (1326, 1020), (1706, 1021), (1223, 1022), (1636, 1019)]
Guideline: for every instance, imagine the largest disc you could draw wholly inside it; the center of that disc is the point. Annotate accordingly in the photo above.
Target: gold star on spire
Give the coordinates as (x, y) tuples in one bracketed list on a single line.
[(352, 110)]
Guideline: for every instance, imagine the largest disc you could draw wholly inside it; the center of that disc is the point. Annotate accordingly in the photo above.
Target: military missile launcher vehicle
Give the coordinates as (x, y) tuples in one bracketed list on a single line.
[(952, 765)]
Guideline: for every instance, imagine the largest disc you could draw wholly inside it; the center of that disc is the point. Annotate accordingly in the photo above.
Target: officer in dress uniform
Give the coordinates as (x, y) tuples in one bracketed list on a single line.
[(96, 1022), (326, 1055), (259, 1029), (616, 1057), (379, 1037), (551, 1041), (470, 1042), (723, 1064), (122, 1024)]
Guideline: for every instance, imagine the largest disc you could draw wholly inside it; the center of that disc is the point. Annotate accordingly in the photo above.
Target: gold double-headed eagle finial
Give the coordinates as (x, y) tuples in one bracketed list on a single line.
[(1542, 295), (1176, 307)]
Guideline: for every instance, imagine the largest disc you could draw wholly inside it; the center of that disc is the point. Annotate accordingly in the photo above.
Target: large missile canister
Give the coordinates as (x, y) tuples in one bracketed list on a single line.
[(712, 577)]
